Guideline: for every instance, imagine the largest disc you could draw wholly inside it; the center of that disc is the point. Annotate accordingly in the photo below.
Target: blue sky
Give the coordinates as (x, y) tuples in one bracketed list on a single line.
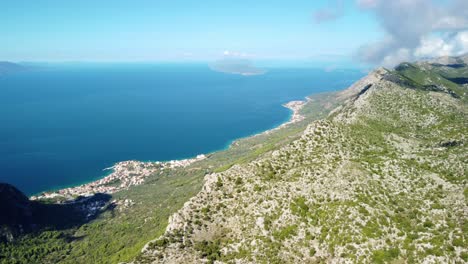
[(335, 31), (139, 30)]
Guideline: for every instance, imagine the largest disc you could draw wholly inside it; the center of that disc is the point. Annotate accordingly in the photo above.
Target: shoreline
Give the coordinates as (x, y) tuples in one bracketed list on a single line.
[(295, 107), (132, 172), (124, 174)]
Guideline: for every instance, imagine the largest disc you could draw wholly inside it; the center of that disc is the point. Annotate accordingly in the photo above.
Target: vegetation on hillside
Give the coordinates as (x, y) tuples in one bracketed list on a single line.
[(382, 179), (142, 212)]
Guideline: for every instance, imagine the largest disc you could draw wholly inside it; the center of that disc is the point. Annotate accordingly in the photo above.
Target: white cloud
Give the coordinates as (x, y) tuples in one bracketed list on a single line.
[(236, 54), (396, 57), (432, 46), (416, 28), (450, 22), (412, 28), (461, 43), (438, 46)]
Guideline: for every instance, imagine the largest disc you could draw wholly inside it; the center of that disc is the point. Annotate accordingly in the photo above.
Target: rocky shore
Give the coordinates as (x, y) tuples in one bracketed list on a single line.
[(124, 174)]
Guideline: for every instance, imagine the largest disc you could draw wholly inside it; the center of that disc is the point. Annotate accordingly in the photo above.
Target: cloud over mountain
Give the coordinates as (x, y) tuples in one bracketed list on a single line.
[(416, 28), (413, 29)]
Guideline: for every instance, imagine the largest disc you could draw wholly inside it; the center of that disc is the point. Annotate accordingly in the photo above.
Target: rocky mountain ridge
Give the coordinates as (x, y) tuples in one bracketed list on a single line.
[(381, 179)]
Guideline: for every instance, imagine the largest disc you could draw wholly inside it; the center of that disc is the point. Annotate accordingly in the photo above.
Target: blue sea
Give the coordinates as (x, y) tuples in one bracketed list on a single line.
[(62, 124)]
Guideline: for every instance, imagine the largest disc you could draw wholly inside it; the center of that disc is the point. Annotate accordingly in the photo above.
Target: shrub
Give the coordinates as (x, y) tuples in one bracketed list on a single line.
[(285, 232), (210, 250), (299, 207), (160, 242), (312, 252), (383, 256), (219, 183), (238, 181)]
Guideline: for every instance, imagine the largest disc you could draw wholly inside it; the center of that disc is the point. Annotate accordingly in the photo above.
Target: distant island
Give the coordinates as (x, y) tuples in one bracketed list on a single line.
[(236, 66), (9, 67)]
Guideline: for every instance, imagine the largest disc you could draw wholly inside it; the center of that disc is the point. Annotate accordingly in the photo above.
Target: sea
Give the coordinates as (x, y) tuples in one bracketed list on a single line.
[(62, 124)]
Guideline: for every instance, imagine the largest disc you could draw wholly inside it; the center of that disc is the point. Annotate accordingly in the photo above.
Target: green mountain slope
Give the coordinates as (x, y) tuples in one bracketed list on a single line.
[(375, 173), (381, 179), (141, 212)]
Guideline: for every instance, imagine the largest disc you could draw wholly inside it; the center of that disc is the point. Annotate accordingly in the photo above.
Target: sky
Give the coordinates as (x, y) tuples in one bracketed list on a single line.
[(336, 31)]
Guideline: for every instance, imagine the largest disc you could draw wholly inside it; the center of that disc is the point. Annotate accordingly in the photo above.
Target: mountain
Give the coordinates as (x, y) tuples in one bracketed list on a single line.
[(9, 67), (381, 179), (464, 58), (375, 173), (16, 212), (452, 71), (20, 216), (448, 60)]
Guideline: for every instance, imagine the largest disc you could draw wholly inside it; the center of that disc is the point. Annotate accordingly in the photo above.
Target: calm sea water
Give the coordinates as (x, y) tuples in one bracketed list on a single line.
[(62, 125)]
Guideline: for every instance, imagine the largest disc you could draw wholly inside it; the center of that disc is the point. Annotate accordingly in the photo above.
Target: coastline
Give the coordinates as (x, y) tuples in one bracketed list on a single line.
[(295, 108), (124, 174), (132, 172)]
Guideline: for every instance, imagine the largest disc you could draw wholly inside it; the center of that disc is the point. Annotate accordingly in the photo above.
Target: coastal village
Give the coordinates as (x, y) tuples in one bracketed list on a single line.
[(124, 174)]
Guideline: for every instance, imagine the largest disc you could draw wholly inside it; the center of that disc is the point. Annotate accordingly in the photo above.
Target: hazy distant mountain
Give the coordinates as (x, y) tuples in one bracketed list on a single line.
[(8, 67), (448, 60), (236, 66)]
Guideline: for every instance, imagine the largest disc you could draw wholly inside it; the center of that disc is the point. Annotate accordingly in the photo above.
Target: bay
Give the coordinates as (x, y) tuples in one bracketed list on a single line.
[(61, 125)]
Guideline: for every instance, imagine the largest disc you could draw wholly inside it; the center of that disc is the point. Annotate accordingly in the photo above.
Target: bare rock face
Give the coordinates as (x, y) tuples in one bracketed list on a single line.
[(358, 86)]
